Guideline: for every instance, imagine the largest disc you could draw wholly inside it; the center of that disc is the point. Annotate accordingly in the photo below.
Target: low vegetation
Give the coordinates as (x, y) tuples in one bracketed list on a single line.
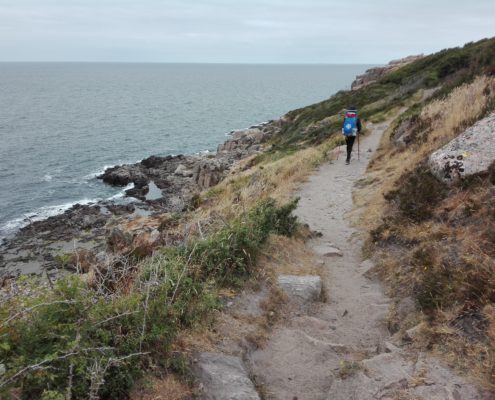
[(93, 335), (93, 339), (436, 243), (446, 70)]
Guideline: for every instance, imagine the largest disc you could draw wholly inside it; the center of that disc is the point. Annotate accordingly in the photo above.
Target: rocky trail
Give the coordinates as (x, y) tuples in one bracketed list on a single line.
[(338, 347)]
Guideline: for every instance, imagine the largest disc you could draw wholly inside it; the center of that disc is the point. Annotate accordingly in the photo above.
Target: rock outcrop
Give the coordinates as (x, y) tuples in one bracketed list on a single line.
[(392, 376), (373, 74), (178, 176), (245, 141), (208, 173), (472, 152)]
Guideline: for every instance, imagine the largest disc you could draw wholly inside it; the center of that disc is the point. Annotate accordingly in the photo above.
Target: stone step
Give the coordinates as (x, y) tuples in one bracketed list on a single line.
[(328, 250), (392, 376), (301, 289), (223, 377)]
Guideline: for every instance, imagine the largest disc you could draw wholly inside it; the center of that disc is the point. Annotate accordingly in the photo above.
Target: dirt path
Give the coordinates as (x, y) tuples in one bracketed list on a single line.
[(340, 349)]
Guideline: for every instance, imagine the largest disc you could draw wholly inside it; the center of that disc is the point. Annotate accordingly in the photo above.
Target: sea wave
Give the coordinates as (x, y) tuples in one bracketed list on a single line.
[(42, 213), (121, 194), (94, 174)]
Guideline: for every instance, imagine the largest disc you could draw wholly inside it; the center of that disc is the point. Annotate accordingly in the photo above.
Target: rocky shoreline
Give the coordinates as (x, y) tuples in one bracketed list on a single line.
[(161, 185)]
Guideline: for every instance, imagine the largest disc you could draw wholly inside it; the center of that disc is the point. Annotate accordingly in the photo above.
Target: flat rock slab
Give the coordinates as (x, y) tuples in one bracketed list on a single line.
[(380, 378), (392, 376), (470, 153), (295, 365), (223, 377), (328, 250), (440, 383), (301, 289)]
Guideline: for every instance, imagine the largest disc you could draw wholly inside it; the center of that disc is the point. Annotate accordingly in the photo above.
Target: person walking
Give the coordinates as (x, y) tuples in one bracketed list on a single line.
[(350, 129)]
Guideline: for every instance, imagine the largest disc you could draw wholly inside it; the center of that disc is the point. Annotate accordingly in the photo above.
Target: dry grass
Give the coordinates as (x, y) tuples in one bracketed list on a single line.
[(445, 259), (447, 116), (276, 179), (349, 368), (234, 325), (289, 256), (167, 388), (465, 104)]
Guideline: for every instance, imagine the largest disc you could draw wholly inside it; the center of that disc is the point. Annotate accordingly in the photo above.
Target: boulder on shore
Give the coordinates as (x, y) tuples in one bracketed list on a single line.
[(472, 152)]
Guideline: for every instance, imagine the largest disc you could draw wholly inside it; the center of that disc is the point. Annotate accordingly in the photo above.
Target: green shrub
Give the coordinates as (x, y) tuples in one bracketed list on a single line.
[(75, 337), (418, 193), (229, 254)]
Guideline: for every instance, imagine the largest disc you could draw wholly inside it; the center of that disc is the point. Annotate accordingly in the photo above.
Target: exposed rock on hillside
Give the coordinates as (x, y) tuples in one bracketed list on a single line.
[(247, 140), (470, 153), (373, 74)]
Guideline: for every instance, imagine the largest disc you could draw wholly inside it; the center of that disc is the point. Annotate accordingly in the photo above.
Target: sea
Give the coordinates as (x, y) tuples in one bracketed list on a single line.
[(62, 124)]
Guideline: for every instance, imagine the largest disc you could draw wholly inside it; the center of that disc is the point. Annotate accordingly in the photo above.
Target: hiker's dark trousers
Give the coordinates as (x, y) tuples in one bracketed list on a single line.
[(349, 140)]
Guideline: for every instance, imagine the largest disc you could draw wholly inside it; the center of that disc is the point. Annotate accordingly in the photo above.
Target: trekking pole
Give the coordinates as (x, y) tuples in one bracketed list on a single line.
[(358, 145)]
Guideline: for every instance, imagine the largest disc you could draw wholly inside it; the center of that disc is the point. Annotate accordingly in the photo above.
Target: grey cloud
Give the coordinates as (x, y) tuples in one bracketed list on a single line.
[(320, 31)]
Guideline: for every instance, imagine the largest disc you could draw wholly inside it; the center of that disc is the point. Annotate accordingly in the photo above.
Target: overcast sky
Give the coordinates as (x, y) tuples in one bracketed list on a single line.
[(238, 31)]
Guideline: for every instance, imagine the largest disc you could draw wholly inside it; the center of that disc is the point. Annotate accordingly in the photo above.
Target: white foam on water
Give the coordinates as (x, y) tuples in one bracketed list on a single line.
[(46, 212), (204, 152), (40, 214), (100, 171), (121, 194), (93, 175)]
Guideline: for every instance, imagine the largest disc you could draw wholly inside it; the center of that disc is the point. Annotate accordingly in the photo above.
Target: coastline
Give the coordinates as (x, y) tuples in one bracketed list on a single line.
[(214, 254), (149, 187)]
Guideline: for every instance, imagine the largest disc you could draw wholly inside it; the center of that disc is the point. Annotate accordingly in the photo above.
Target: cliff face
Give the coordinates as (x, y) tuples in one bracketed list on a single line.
[(374, 74)]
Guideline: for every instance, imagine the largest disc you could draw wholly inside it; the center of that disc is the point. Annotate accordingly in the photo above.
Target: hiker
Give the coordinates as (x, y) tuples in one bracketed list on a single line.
[(350, 129)]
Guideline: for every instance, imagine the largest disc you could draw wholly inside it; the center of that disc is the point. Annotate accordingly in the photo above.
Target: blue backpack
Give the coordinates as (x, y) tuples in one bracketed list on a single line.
[(350, 123)]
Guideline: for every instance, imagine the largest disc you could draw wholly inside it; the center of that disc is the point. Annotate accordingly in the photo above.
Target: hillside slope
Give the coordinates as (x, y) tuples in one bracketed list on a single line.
[(431, 223), (97, 332)]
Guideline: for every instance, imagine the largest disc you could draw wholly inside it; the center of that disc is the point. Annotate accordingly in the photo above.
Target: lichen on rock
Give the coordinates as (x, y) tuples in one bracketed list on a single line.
[(472, 152)]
